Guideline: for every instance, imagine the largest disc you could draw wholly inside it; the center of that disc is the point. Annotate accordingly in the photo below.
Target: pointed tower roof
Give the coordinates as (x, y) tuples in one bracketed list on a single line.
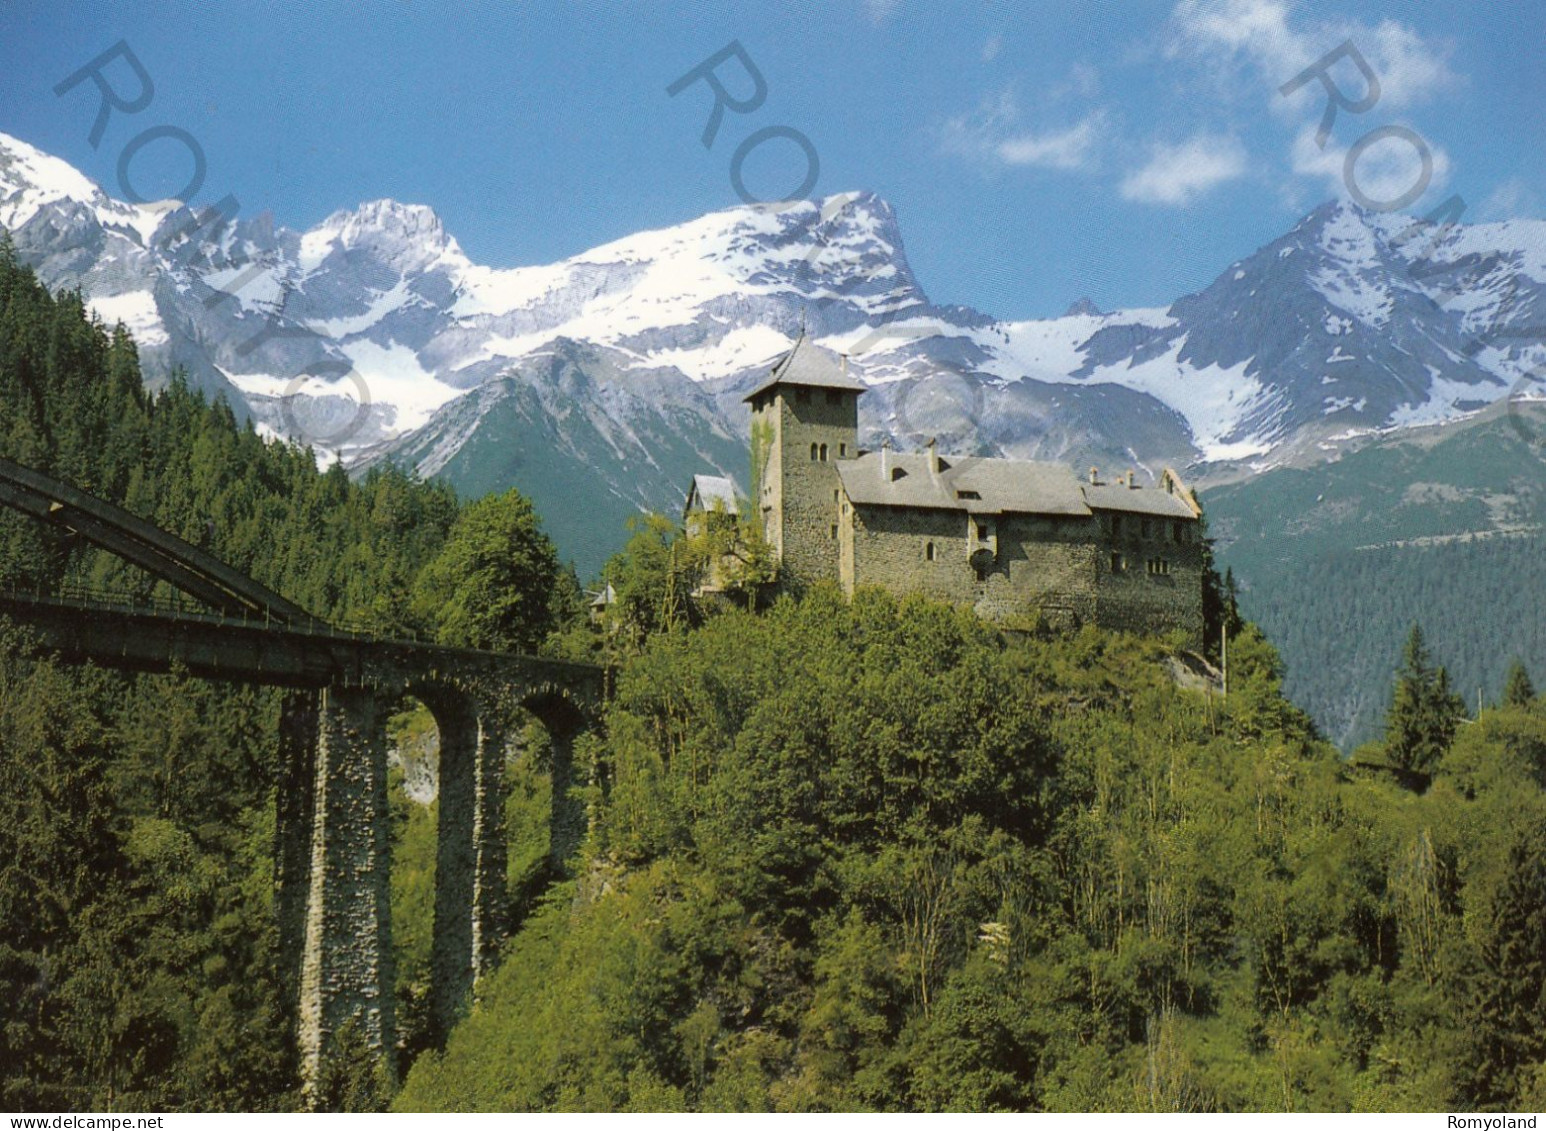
[(808, 364)]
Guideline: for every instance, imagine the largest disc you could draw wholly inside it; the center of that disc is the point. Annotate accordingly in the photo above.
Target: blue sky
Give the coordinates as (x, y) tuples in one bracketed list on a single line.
[(1035, 153)]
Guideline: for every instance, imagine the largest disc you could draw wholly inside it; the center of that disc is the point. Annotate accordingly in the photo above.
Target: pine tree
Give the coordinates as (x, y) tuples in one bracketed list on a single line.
[(1424, 711), (1517, 688), (1509, 990)]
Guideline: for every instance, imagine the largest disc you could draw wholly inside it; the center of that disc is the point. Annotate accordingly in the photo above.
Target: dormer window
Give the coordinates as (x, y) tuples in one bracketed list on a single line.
[(968, 495), (897, 473)]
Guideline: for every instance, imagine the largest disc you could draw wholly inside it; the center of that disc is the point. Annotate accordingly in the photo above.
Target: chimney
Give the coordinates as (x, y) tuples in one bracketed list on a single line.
[(1094, 477), (1132, 478), (845, 365), (933, 457), (885, 459)]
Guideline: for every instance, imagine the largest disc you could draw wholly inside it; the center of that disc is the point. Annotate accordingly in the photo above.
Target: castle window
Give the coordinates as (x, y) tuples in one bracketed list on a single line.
[(1178, 530), (1117, 564), (823, 453), (815, 453), (1159, 567), (834, 532), (802, 396), (834, 496), (842, 451), (981, 572), (834, 397), (928, 551), (982, 533), (1116, 526), (1148, 529)]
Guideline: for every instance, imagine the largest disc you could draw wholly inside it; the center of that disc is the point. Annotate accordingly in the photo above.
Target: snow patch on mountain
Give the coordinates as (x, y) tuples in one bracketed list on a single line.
[(382, 303), (31, 179), (396, 378), (137, 311)]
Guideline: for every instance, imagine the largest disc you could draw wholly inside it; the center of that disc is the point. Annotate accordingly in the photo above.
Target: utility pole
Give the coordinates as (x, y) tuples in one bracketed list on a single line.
[(1224, 653)]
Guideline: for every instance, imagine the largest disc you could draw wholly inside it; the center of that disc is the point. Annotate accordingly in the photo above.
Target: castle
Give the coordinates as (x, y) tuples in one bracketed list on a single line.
[(1019, 541)]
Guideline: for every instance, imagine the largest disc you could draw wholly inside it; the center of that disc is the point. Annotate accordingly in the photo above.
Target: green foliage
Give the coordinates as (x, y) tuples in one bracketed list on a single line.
[(650, 584), (1509, 992), (1424, 712), (1517, 688), (657, 573), (496, 582), (866, 855), (353, 1077), (139, 962)]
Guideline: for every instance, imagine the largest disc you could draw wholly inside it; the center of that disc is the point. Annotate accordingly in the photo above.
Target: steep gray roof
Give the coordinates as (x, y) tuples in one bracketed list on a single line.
[(994, 486), (1021, 486), (1138, 500), (808, 364), (707, 491)]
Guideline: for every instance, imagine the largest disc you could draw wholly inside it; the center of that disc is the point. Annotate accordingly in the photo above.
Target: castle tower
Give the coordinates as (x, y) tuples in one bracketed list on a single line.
[(805, 418)]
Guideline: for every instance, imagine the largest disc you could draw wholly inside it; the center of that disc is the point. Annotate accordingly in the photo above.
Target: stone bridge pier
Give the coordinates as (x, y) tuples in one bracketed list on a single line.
[(334, 851), (333, 867)]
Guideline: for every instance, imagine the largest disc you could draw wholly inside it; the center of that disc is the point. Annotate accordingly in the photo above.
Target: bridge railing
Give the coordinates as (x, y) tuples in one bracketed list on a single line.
[(76, 596), (73, 594)]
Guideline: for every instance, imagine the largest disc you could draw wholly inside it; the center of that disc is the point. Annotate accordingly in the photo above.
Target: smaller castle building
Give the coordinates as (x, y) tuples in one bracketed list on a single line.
[(1019, 541)]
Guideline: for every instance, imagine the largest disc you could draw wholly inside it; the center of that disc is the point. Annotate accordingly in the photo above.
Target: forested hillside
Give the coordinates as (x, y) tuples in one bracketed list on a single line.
[(873, 856), (843, 855), (1336, 560), (137, 941)]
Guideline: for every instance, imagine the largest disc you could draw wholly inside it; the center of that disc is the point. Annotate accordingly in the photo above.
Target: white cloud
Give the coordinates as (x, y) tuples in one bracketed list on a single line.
[(1264, 33), (1267, 43), (1511, 200), (993, 133), (1387, 170), (1083, 80), (992, 47), (1178, 174), (880, 11), (1061, 149)]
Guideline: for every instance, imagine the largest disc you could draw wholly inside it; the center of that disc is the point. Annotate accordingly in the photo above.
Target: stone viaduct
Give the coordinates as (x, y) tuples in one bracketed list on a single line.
[(333, 851)]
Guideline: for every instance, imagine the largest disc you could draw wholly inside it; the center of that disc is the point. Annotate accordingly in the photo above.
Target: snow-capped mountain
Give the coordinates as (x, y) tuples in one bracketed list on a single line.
[(374, 336)]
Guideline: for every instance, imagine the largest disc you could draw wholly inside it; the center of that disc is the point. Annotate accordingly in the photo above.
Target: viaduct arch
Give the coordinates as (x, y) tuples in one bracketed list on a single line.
[(333, 850)]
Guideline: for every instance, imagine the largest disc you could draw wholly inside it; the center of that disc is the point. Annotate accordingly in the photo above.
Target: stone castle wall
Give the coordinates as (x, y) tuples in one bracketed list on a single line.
[(815, 428), (1116, 569), (1010, 568), (1134, 599)]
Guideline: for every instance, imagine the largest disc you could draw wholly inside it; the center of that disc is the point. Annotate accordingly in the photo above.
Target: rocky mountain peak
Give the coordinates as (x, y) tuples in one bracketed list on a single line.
[(31, 179), (408, 236)]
